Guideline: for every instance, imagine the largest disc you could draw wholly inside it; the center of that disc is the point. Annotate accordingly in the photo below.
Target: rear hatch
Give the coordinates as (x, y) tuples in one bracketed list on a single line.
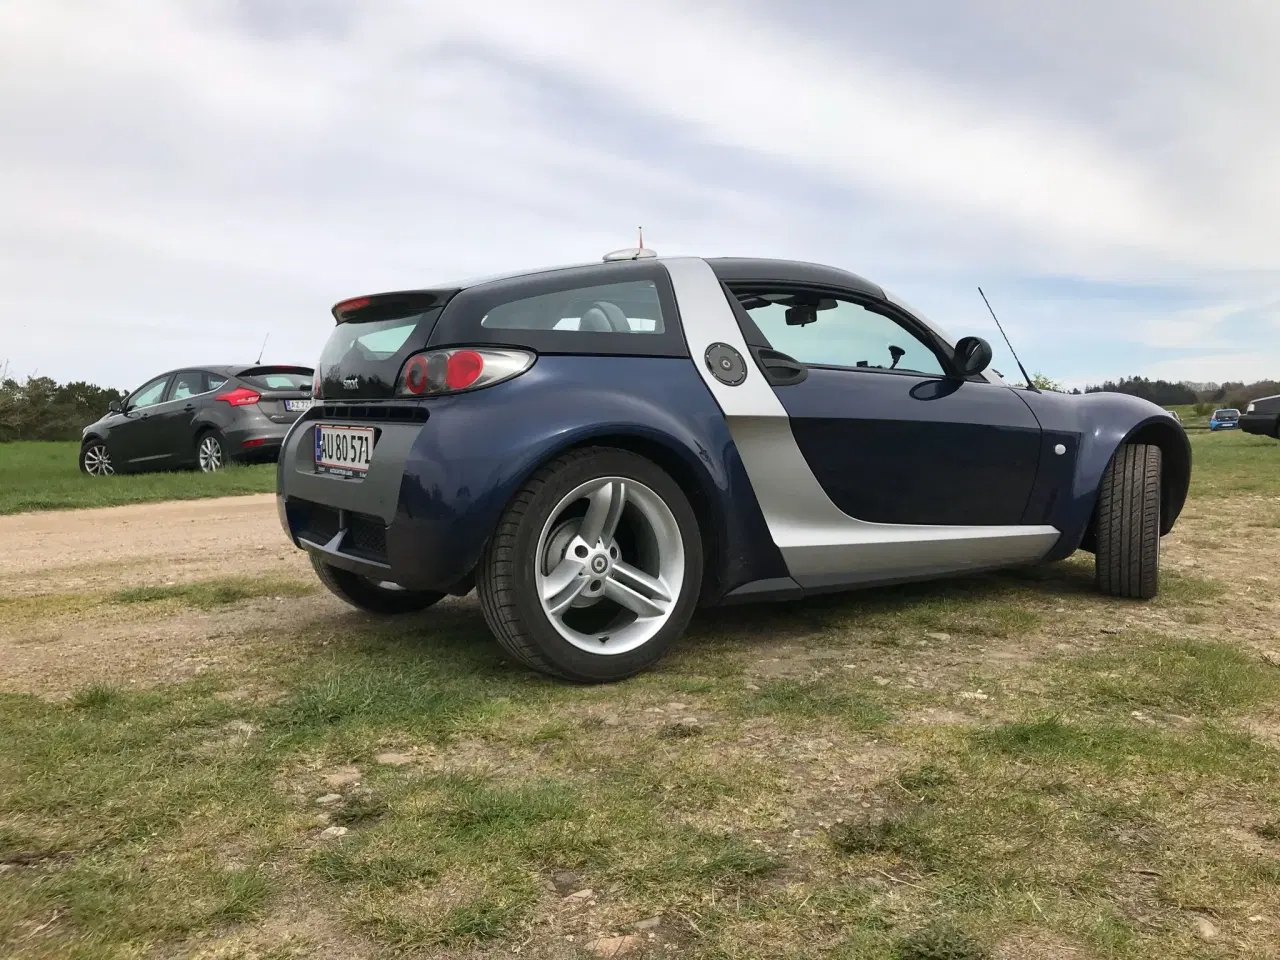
[(1226, 416), (284, 393), (374, 336)]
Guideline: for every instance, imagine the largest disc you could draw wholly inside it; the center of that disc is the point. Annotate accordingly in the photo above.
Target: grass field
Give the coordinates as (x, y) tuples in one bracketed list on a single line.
[(1007, 767), (46, 476)]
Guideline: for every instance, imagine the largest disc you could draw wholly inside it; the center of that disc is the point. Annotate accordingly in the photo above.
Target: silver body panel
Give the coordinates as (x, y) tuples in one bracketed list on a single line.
[(822, 545)]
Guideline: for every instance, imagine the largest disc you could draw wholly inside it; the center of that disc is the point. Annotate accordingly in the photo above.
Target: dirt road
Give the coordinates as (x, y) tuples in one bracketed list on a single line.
[(71, 551)]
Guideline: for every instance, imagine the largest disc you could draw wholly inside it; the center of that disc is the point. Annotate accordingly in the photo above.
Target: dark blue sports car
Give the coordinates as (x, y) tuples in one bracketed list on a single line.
[(598, 449)]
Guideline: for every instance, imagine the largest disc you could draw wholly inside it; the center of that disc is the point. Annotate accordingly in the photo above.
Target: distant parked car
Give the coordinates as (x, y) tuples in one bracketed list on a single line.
[(204, 417), (1225, 419), (596, 450), (1262, 416)]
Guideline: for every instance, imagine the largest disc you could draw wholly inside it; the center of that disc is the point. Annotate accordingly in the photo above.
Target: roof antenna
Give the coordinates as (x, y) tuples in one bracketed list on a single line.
[(641, 229), (1030, 385), (264, 347)]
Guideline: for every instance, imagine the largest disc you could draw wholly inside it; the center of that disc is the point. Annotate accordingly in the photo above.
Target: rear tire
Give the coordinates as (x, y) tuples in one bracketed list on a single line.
[(1128, 532), (594, 569), (364, 594), (211, 452)]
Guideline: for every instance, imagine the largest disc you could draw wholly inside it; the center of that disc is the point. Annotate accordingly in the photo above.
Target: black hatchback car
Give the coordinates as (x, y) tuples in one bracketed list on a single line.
[(205, 417)]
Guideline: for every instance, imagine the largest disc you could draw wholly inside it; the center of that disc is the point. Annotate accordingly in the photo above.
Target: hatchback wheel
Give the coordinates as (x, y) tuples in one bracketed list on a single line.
[(1128, 535), (95, 459), (374, 596), (595, 567), (209, 453)]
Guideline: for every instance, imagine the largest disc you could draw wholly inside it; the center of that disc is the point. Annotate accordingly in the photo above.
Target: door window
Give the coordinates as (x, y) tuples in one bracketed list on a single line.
[(188, 383), (149, 394), (824, 331)]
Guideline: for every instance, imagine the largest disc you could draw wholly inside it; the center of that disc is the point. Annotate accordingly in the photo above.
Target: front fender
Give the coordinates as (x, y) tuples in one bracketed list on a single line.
[(1091, 427), (477, 450)]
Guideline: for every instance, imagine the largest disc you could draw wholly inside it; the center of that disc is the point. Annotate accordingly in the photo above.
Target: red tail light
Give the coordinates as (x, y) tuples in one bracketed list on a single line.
[(240, 396), (254, 443), (457, 369)]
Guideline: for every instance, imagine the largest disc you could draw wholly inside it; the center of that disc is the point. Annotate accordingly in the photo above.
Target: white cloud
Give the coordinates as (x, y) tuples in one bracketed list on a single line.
[(174, 182)]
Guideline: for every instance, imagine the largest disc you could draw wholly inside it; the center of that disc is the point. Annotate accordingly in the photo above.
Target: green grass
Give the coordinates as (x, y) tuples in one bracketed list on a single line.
[(1231, 463), (46, 476)]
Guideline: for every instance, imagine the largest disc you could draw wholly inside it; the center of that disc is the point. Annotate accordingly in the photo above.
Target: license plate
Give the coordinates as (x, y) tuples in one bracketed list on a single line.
[(298, 405), (344, 451)]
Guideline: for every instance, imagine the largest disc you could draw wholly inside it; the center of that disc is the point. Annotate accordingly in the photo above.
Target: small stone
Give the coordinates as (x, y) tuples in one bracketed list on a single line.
[(565, 882), (751, 686), (329, 799), (687, 722), (652, 923), (676, 707), (241, 727), (586, 894), (1205, 930), (974, 695), (393, 759), (940, 637), (880, 681), (1257, 918), (333, 833), (1112, 629), (610, 720), (615, 946), (344, 777)]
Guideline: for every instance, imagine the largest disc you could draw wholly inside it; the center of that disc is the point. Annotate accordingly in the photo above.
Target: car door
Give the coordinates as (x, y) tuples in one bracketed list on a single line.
[(138, 439), (889, 433), (186, 396)]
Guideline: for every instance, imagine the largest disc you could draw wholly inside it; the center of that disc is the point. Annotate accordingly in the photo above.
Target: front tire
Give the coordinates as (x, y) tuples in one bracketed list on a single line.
[(364, 594), (1128, 534), (594, 569), (95, 459)]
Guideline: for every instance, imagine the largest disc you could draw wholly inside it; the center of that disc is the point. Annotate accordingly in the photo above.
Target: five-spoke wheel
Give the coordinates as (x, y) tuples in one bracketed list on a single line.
[(595, 567)]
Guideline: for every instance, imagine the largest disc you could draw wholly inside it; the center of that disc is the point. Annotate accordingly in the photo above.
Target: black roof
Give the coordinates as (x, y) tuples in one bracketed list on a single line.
[(748, 269)]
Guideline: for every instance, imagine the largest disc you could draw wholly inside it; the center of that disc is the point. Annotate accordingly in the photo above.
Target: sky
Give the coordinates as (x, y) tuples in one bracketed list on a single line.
[(181, 178)]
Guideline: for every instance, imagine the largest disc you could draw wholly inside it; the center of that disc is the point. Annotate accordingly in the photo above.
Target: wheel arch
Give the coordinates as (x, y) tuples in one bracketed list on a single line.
[(1175, 472), (682, 465)]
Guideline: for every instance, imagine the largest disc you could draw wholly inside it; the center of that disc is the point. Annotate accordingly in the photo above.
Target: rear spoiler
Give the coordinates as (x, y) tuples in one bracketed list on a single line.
[(275, 368), (390, 306)]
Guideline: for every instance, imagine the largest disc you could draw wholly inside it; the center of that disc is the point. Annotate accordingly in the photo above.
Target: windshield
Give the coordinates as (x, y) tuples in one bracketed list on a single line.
[(1226, 413)]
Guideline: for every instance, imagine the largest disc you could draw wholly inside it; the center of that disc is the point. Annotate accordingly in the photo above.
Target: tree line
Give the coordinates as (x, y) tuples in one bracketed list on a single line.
[(40, 408), (1166, 394)]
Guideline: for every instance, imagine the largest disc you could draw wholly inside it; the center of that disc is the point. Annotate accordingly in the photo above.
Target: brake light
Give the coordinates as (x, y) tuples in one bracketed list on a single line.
[(349, 306), (240, 396), (254, 443), (458, 369)]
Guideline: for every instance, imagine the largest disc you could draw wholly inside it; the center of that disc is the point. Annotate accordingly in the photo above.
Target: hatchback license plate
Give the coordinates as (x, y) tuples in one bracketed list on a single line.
[(345, 451), (298, 405)]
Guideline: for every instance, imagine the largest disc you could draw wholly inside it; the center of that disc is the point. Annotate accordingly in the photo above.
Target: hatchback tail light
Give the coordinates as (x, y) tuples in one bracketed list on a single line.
[(315, 384), (240, 396), (458, 369)]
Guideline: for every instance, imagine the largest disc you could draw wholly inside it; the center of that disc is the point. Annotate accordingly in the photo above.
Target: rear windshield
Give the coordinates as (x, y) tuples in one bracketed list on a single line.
[(1227, 413), (280, 381), (362, 358), (631, 307)]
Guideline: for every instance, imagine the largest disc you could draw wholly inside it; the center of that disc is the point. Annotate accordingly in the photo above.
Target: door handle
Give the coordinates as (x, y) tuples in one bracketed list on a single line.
[(189, 407), (780, 369)]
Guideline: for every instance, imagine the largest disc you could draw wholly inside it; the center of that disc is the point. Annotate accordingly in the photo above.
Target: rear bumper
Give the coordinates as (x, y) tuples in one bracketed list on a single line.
[(256, 438), (1263, 424), (358, 523), (1224, 425)]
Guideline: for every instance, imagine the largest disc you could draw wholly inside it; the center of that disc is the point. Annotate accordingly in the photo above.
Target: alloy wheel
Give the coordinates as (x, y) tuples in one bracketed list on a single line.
[(609, 576), (210, 454), (97, 461)]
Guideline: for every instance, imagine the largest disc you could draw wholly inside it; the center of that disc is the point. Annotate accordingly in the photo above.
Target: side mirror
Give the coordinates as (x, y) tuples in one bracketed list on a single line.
[(973, 355), (115, 407)]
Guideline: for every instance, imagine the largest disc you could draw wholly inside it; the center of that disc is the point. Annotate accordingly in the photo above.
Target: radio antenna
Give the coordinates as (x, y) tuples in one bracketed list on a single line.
[(264, 348), (1030, 385), (641, 229)]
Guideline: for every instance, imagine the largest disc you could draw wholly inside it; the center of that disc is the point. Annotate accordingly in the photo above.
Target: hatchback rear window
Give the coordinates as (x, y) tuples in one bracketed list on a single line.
[(280, 381), (631, 307)]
